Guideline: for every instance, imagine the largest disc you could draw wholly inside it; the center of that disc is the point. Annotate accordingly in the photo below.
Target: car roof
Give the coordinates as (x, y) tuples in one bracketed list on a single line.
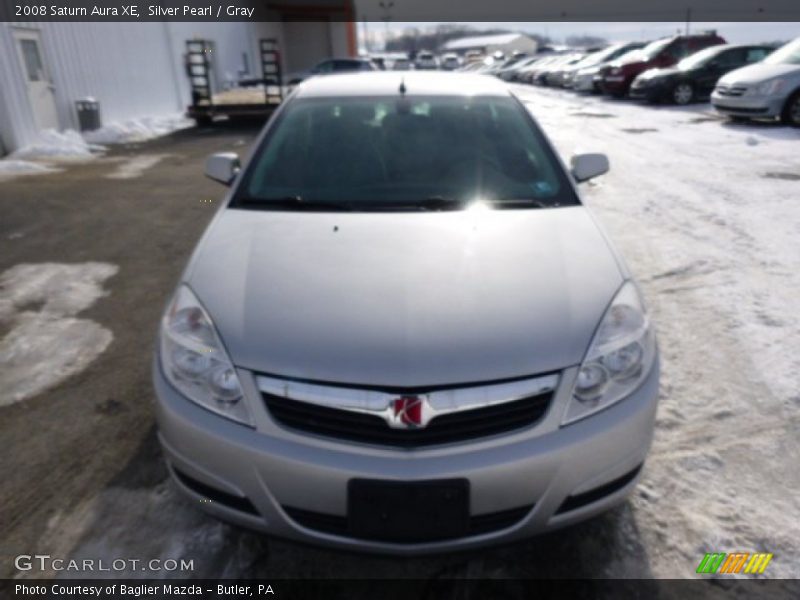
[(387, 83)]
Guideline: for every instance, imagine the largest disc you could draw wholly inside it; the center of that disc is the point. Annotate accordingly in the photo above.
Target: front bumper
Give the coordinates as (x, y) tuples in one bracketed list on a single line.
[(584, 83), (616, 85), (256, 477), (756, 106), (649, 90)]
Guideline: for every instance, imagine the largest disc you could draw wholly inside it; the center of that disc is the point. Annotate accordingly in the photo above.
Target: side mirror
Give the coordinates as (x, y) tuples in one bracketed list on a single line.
[(223, 167), (588, 166)]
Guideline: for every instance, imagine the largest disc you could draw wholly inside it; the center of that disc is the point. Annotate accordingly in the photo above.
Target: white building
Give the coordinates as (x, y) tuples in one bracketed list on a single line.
[(137, 69), (507, 43)]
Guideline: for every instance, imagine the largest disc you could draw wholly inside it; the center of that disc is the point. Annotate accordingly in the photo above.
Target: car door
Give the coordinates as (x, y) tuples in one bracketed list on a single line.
[(724, 62)]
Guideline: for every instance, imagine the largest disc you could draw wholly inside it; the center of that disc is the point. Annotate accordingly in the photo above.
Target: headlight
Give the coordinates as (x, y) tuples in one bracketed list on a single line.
[(194, 359), (768, 88), (615, 71), (619, 358)]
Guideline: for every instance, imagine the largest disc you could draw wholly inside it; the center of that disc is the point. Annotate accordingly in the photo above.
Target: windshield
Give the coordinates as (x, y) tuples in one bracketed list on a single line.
[(598, 57), (388, 153), (788, 54), (653, 48), (629, 56), (698, 59)]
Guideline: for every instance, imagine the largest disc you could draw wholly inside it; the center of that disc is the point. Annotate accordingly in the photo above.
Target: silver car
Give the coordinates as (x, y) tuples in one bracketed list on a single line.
[(768, 89), (403, 332)]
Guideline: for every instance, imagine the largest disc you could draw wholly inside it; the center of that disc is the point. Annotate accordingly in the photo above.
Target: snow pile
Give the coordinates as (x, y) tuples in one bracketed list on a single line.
[(52, 145), (137, 130)]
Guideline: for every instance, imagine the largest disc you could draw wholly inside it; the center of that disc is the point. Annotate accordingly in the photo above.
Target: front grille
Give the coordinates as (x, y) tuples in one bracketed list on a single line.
[(443, 429), (741, 109), (338, 525), (731, 90)]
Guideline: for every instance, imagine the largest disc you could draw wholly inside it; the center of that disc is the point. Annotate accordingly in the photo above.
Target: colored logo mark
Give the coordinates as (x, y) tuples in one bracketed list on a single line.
[(735, 562)]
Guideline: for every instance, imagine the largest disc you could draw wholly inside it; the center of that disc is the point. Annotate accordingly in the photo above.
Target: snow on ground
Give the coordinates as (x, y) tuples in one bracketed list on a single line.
[(137, 130), (45, 343), (15, 168), (707, 215), (136, 166)]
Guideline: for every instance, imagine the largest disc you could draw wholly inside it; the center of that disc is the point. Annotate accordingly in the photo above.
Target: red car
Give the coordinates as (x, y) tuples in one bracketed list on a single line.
[(616, 78)]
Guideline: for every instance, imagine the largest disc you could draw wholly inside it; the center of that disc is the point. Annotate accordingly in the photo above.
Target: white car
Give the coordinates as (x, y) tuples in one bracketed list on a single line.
[(770, 88), (425, 61), (450, 62)]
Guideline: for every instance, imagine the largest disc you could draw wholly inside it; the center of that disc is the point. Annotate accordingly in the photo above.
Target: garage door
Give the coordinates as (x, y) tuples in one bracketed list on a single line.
[(306, 43)]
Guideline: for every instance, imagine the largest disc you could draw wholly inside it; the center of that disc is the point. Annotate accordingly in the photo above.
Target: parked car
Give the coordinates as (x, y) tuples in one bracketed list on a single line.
[(401, 64), (333, 65), (473, 66), (770, 88), (580, 77), (425, 61), (512, 72), (555, 76), (543, 75), (450, 62), (695, 76), (380, 400), (508, 63), (617, 77), (528, 74), (471, 56)]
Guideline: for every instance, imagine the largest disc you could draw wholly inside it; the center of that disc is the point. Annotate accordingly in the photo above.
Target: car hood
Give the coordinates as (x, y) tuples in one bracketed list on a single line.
[(662, 73), (758, 73), (629, 63), (405, 299)]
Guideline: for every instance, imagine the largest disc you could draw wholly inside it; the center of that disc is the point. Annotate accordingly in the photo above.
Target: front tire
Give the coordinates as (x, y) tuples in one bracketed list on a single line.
[(791, 111), (683, 93)]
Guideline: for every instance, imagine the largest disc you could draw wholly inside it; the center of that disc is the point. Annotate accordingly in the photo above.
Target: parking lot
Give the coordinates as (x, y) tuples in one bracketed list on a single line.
[(706, 213)]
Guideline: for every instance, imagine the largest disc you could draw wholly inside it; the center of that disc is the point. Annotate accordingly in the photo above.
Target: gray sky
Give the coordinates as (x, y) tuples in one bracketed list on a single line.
[(733, 32)]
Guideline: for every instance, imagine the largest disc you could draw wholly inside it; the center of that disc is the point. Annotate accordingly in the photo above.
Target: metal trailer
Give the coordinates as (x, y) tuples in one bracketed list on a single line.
[(206, 105)]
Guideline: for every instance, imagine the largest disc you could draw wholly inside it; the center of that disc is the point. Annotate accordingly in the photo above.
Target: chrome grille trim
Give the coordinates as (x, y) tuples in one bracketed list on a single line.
[(379, 403)]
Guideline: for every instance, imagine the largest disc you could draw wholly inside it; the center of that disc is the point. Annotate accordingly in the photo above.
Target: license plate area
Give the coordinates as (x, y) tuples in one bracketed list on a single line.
[(408, 512)]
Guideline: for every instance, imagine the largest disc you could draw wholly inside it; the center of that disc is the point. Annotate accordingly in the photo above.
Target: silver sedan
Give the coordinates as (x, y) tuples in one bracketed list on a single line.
[(403, 332)]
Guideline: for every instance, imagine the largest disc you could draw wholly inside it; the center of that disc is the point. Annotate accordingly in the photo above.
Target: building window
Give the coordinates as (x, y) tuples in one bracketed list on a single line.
[(33, 60)]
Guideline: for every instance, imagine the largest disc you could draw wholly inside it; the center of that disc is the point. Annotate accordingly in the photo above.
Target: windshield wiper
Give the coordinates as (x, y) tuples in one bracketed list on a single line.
[(295, 202), (439, 203), (521, 203)]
